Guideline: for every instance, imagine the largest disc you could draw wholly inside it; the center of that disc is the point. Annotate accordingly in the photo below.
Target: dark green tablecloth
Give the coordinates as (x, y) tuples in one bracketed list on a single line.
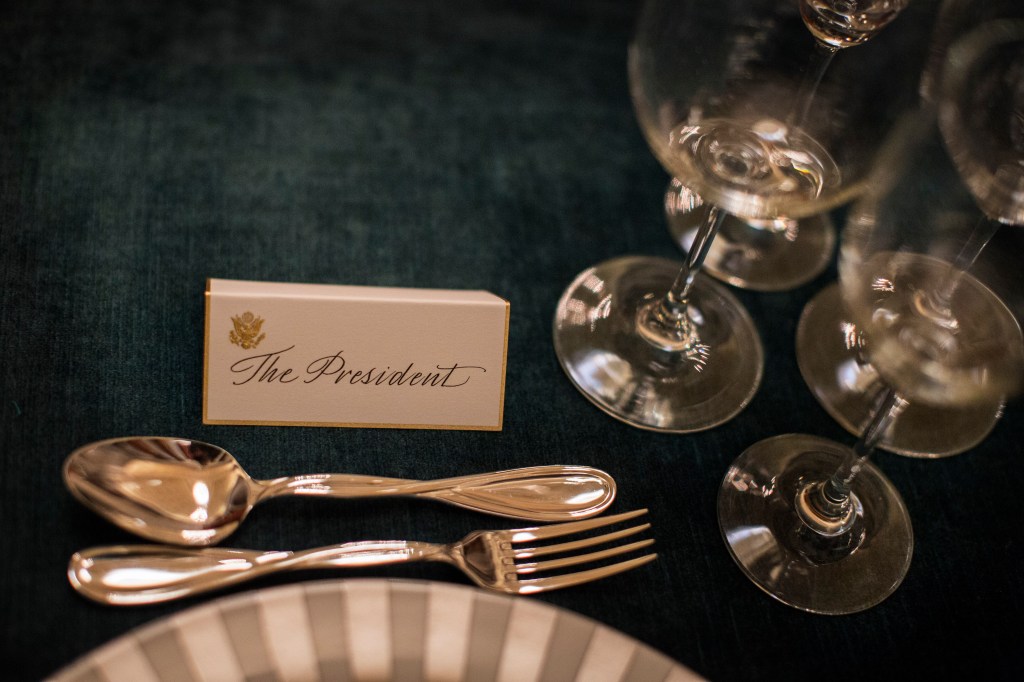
[(147, 146)]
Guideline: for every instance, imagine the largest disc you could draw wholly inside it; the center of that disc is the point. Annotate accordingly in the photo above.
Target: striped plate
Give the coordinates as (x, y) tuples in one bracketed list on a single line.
[(368, 629)]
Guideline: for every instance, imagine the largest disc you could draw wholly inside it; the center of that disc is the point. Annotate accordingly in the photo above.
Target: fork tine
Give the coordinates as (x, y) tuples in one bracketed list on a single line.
[(560, 529), (556, 582), (578, 544), (534, 566)]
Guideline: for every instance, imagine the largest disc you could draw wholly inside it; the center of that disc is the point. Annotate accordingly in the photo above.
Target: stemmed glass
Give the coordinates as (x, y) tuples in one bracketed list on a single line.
[(812, 522), (831, 350), (783, 252), (666, 348)]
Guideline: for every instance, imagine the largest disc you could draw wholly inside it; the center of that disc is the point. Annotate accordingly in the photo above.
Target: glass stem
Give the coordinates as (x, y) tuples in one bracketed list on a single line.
[(939, 300), (976, 242), (828, 507), (891, 406), (980, 236), (666, 323), (818, 64), (680, 290)]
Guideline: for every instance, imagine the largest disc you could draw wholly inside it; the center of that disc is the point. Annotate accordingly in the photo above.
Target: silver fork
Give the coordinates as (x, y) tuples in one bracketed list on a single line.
[(146, 574)]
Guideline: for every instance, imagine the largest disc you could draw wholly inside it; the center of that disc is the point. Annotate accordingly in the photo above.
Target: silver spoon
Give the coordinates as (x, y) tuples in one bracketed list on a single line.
[(186, 492)]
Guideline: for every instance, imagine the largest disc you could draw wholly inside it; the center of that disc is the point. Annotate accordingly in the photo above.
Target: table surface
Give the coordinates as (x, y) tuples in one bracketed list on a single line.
[(149, 146)]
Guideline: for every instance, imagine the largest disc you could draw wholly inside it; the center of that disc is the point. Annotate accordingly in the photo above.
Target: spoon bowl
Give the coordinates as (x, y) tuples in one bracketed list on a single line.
[(187, 492)]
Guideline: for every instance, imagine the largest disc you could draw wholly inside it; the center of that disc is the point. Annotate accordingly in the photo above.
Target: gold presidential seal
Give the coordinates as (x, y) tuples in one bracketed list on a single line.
[(247, 330)]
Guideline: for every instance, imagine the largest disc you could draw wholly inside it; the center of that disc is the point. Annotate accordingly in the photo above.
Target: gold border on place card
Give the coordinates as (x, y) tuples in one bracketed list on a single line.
[(206, 352), (357, 425)]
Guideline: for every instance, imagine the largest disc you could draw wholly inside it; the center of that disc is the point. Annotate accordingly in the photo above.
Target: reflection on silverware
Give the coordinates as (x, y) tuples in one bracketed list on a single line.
[(185, 492), (127, 575)]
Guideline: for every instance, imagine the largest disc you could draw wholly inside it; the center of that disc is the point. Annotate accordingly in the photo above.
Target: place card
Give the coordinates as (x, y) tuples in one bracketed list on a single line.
[(329, 355)]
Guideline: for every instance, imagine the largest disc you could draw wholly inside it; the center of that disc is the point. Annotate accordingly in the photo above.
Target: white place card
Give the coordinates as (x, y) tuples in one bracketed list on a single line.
[(328, 355)]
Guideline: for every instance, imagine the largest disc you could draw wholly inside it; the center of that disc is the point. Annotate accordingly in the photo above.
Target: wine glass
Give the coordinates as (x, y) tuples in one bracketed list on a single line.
[(812, 522), (832, 352), (782, 253), (663, 347)]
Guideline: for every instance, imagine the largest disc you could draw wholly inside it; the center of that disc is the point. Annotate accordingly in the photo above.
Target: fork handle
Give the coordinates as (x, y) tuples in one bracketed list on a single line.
[(149, 574)]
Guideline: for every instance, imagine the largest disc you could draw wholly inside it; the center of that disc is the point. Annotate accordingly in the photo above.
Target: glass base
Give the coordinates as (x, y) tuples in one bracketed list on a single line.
[(758, 517), (847, 386), (770, 255), (677, 390)]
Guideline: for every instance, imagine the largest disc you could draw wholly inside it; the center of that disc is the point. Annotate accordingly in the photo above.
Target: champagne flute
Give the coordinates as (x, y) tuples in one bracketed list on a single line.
[(983, 126), (659, 345), (812, 522), (782, 253)]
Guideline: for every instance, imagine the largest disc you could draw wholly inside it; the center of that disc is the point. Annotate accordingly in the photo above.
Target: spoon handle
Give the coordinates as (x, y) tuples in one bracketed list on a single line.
[(126, 575), (541, 493)]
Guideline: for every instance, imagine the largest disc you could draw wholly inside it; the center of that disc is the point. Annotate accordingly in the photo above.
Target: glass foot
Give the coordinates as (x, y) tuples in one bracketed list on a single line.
[(679, 389), (759, 518), (770, 255), (831, 361)]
